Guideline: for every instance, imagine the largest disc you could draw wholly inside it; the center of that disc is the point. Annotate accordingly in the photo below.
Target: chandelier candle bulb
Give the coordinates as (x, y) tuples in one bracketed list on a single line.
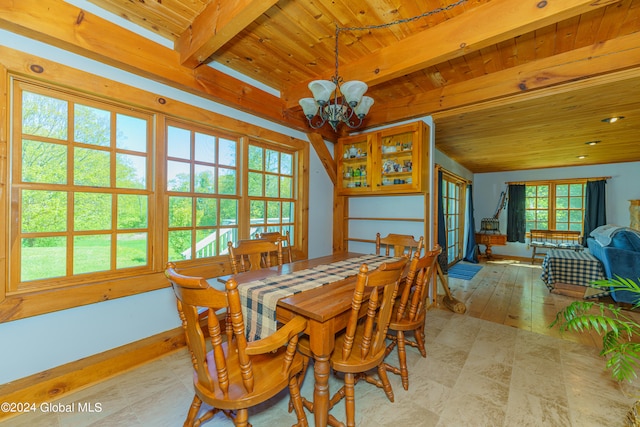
[(321, 90), (353, 91), (362, 109), (309, 107)]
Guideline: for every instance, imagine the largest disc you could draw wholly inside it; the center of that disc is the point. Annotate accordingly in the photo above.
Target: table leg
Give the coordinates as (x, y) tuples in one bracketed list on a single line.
[(321, 370), (488, 252), (321, 342)]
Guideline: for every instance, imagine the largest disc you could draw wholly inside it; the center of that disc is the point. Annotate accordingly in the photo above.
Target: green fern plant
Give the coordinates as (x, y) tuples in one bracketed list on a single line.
[(610, 322)]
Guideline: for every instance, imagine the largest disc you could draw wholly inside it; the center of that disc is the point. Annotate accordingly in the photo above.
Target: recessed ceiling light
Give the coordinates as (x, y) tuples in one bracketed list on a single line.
[(593, 142), (612, 119), (582, 157)]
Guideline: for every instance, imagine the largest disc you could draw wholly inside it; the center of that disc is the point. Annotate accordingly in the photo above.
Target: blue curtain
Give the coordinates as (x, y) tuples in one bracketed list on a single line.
[(471, 254), (516, 219), (443, 258), (595, 203)]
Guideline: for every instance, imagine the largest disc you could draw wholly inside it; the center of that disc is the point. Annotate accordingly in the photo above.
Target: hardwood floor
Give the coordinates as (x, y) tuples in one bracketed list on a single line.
[(510, 292)]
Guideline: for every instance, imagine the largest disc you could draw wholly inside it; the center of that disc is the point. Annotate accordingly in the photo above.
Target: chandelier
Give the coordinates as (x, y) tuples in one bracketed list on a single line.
[(349, 105), (349, 108)]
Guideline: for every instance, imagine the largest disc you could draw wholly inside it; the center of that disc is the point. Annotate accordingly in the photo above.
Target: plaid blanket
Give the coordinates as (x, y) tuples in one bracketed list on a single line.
[(575, 268), (260, 298)]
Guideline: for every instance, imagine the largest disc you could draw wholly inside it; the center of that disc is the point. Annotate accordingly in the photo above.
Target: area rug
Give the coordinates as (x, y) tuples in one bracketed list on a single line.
[(464, 271)]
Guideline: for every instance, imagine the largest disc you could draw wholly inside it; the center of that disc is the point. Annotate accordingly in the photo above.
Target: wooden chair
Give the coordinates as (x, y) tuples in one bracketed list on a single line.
[(235, 374), (362, 345), (409, 311), (274, 236), (252, 254), (398, 244)]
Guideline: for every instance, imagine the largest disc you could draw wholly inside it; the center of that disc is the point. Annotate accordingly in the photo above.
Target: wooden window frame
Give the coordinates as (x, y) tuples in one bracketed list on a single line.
[(72, 190), (194, 162), (551, 209), (16, 305), (291, 226)]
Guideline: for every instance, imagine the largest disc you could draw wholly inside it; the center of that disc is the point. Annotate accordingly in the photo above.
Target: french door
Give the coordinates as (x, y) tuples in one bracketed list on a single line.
[(453, 192)]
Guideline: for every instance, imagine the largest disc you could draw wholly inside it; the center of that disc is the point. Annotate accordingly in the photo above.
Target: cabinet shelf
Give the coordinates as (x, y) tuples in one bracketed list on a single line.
[(382, 165), (402, 153), (397, 173)]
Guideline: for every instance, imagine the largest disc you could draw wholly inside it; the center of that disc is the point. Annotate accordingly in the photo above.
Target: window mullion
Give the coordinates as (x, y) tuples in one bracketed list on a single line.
[(552, 206), (244, 206)]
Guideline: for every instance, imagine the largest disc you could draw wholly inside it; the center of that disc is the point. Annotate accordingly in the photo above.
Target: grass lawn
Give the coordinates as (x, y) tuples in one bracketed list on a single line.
[(91, 254)]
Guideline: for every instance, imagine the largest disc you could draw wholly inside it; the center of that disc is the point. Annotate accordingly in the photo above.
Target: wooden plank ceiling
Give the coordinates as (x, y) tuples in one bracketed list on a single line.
[(511, 84)]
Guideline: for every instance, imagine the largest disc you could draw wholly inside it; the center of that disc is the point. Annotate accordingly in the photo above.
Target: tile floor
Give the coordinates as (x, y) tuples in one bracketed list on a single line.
[(477, 373)]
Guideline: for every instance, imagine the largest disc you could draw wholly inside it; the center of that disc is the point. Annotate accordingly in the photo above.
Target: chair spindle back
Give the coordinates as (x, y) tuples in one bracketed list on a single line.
[(398, 245)]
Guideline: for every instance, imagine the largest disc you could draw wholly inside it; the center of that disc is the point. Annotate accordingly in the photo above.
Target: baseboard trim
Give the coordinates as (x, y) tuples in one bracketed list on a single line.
[(62, 380)]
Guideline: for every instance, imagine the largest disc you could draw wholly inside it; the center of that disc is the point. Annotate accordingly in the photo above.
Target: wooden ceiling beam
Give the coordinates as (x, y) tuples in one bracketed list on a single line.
[(489, 24), (218, 23), (67, 27), (325, 156), (612, 56)]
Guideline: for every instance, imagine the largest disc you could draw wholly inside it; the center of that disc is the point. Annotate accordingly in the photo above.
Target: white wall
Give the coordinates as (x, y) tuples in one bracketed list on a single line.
[(320, 208), (412, 206), (38, 343), (408, 206), (622, 187)]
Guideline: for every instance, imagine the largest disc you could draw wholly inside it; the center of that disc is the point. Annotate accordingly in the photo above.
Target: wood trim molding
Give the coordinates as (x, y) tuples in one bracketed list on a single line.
[(4, 177), (63, 380), (27, 304), (340, 222)]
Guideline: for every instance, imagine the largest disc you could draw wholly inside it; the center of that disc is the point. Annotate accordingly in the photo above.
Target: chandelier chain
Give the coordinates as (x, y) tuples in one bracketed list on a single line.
[(352, 107), (403, 21), (389, 24)]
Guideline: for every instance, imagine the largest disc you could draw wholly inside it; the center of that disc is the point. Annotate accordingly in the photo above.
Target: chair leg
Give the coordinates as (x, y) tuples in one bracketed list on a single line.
[(388, 350), (384, 379), (305, 365), (193, 411), (242, 418), (419, 335), (350, 401), (402, 359), (296, 401)]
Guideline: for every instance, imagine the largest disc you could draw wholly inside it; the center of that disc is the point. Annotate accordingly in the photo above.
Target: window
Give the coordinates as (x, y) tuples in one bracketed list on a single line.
[(81, 185), (102, 193), (202, 184), (555, 205), (270, 190)]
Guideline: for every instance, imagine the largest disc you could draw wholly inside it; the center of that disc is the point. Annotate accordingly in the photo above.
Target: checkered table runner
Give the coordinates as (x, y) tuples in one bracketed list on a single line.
[(575, 268), (259, 298)]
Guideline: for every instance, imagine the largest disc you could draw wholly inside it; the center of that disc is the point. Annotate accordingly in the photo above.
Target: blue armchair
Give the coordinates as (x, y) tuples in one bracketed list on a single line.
[(619, 251)]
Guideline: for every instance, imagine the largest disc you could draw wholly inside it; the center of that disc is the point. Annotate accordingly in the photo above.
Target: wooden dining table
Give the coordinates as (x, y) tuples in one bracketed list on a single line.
[(326, 309)]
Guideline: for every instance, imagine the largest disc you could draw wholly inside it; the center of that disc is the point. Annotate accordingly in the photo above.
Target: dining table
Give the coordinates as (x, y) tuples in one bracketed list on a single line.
[(326, 309)]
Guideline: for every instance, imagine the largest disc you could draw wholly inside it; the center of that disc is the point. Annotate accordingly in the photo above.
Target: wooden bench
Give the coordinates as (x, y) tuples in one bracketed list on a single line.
[(554, 239)]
